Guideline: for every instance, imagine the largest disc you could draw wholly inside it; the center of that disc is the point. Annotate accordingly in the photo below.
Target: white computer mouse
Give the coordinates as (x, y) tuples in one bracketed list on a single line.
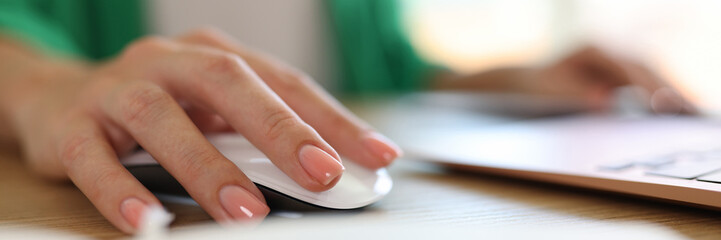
[(357, 188)]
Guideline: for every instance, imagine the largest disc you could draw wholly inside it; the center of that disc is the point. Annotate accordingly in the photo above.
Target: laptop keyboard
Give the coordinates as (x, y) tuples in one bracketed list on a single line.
[(702, 166)]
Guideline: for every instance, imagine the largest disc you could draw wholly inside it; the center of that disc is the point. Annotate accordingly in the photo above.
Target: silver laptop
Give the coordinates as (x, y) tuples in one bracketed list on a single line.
[(671, 158)]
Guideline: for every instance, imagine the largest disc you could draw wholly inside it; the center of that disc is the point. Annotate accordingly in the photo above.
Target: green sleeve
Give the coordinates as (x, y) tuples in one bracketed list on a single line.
[(19, 19), (94, 29), (375, 53)]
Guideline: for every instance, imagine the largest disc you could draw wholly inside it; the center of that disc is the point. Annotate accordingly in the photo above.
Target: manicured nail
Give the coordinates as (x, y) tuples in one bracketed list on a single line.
[(132, 210), (382, 147), (241, 204), (319, 164)]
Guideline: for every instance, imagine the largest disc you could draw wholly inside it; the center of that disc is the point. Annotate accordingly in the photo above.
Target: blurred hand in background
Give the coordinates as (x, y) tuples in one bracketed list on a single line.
[(589, 76)]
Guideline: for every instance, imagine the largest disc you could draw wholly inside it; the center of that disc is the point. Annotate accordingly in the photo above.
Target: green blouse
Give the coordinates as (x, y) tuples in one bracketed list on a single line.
[(374, 52), (89, 28)]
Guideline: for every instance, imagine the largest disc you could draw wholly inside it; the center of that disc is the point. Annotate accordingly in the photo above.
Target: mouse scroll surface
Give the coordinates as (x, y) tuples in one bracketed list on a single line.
[(358, 186)]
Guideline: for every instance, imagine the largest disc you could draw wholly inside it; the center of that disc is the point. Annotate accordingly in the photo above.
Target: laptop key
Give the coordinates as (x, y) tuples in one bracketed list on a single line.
[(657, 162), (689, 171), (713, 177), (616, 166)]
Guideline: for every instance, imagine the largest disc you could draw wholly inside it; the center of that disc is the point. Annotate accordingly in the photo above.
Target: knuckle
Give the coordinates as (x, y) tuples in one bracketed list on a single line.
[(280, 122), (147, 45), (225, 63), (197, 162), (207, 33), (104, 178), (143, 103), (72, 148), (225, 70)]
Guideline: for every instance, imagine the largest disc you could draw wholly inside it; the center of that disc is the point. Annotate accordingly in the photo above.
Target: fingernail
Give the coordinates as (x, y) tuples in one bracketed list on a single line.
[(132, 210), (241, 204), (382, 147), (319, 164)]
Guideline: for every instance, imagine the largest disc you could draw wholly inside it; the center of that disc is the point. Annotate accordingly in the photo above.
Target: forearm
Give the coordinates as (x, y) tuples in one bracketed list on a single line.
[(516, 79)]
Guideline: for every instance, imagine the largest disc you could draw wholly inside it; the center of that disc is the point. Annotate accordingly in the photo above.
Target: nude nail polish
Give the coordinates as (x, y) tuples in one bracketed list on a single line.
[(132, 210), (319, 164), (381, 147), (241, 204)]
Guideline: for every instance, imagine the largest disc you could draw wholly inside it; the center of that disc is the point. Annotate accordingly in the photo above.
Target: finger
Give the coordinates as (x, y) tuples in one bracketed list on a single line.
[(335, 123), (162, 128), (92, 165), (599, 66), (207, 121), (663, 98), (223, 83)]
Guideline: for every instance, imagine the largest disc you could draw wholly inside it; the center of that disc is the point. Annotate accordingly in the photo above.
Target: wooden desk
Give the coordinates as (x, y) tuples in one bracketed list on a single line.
[(26, 199), (422, 193)]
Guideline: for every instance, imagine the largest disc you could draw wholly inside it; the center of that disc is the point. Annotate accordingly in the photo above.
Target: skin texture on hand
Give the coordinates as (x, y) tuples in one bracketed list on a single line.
[(164, 94)]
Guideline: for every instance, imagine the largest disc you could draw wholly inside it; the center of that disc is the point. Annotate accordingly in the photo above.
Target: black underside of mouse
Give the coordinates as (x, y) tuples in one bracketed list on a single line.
[(159, 181)]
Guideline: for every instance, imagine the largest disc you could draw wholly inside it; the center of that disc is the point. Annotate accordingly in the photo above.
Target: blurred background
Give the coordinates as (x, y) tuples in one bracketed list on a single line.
[(679, 39)]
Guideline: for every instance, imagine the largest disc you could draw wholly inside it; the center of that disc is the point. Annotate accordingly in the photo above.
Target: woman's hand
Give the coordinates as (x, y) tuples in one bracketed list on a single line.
[(587, 76), (163, 94), (591, 74)]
